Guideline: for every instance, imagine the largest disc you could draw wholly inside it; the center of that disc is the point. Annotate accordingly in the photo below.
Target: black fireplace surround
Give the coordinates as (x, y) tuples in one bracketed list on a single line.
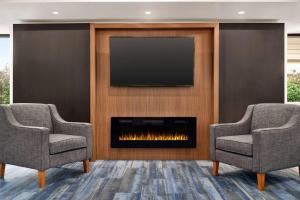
[(153, 132)]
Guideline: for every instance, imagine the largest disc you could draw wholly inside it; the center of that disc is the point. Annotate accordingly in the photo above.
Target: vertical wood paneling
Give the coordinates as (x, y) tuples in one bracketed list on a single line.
[(195, 101), (93, 84), (216, 73), (51, 65), (251, 67)]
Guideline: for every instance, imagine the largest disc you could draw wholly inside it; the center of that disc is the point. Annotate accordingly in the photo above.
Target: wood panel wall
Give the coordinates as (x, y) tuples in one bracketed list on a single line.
[(251, 67), (51, 65), (200, 101), (50, 58)]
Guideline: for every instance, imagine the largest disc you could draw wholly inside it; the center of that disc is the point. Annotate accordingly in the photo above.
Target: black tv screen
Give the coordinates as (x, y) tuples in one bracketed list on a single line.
[(151, 61)]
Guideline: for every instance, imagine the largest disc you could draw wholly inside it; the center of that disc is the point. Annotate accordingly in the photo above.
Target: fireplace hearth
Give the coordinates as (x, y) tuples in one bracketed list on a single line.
[(153, 132)]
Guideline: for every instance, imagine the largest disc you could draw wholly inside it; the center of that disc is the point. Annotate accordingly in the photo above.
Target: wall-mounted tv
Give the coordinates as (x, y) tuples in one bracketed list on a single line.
[(152, 61)]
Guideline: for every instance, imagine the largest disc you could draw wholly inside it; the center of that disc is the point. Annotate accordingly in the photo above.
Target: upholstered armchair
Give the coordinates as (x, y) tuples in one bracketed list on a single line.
[(35, 136), (267, 138)]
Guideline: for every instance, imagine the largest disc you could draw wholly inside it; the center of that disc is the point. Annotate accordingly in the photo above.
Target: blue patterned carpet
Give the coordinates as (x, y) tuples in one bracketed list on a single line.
[(151, 180)]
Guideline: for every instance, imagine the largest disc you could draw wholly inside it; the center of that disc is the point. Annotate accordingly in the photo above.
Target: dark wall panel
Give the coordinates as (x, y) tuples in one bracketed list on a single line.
[(51, 65), (251, 67)]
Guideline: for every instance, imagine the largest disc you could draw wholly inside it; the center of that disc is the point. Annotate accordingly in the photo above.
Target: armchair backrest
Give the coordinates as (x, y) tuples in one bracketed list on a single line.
[(32, 114), (271, 115)]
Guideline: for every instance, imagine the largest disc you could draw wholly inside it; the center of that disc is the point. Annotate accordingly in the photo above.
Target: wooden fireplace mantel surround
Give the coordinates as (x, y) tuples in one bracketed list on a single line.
[(201, 101)]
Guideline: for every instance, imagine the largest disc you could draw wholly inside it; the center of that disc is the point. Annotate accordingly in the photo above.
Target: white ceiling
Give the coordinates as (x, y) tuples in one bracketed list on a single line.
[(40, 11)]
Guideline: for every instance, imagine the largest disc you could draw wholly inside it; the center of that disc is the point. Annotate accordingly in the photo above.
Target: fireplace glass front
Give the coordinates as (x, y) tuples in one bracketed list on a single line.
[(153, 132)]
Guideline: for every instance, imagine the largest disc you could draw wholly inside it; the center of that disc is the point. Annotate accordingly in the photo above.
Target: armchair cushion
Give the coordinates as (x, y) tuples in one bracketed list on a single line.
[(242, 127), (60, 126), (271, 115), (32, 114), (241, 144), (26, 146), (59, 143)]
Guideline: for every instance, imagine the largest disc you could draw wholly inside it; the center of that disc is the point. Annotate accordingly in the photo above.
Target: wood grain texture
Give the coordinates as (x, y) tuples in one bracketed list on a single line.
[(92, 83), (260, 181), (215, 168), (42, 178), (216, 74), (197, 101), (155, 25), (51, 65), (86, 166), (145, 180), (2, 170), (251, 67)]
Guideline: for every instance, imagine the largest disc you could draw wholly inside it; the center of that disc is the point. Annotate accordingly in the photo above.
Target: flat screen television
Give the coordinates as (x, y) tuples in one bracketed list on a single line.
[(152, 61)]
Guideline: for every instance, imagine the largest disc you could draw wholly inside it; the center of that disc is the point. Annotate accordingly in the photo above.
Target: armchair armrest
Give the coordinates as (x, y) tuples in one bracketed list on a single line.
[(278, 147), (72, 128), (26, 146), (241, 127)]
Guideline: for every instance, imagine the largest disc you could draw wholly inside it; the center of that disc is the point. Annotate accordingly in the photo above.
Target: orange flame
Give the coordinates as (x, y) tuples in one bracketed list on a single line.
[(153, 136)]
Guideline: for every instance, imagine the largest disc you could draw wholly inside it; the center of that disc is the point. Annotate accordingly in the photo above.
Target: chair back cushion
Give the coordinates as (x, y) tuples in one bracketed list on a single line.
[(270, 115), (32, 114)]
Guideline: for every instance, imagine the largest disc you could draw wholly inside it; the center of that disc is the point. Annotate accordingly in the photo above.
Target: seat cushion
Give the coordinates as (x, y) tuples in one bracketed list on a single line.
[(61, 143), (241, 144)]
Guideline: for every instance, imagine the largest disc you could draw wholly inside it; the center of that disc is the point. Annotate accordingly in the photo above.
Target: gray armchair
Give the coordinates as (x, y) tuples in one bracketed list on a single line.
[(35, 136), (267, 138)]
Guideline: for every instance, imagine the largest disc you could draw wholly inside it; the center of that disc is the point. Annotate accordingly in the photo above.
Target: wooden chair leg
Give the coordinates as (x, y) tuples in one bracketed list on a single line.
[(2, 170), (215, 168), (86, 166), (261, 181), (42, 179)]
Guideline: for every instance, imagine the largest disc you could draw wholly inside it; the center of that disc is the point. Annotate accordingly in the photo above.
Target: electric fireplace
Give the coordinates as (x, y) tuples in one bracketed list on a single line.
[(153, 132)]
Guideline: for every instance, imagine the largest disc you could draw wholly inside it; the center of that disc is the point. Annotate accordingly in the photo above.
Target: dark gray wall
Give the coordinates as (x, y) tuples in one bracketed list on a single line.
[(51, 65), (251, 67)]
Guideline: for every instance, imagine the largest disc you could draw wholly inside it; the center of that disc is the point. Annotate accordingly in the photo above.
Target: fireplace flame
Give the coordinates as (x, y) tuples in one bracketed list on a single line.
[(153, 136)]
